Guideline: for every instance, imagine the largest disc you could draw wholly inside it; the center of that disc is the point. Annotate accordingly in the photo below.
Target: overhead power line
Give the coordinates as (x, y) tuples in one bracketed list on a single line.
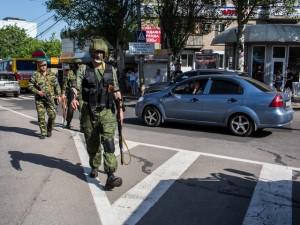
[(48, 28)]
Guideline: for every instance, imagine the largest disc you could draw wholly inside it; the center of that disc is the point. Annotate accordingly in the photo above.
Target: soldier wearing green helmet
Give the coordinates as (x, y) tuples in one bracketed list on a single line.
[(99, 90), (45, 86)]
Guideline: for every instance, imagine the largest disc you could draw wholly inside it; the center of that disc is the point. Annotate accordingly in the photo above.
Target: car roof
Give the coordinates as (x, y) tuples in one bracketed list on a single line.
[(216, 70), (213, 76)]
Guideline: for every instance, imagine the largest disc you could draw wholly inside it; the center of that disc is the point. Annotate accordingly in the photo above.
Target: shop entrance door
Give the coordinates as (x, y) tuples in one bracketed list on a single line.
[(279, 73)]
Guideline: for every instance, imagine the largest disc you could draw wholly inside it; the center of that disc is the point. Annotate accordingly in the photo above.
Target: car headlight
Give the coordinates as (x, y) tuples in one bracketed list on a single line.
[(140, 99)]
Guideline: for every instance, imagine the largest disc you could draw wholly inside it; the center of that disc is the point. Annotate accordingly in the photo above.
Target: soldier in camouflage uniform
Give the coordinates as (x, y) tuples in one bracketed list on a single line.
[(69, 82), (45, 86), (99, 88)]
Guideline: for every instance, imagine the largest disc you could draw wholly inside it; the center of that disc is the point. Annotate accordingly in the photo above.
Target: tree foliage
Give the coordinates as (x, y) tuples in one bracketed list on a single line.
[(14, 42), (113, 20), (178, 20)]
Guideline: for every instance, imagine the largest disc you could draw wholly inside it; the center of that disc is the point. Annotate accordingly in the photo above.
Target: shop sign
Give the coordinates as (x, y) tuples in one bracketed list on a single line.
[(140, 48), (152, 34)]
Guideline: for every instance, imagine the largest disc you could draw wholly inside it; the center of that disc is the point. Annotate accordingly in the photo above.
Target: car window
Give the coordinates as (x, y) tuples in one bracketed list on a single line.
[(225, 87), (259, 85), (193, 87), (7, 77), (185, 76)]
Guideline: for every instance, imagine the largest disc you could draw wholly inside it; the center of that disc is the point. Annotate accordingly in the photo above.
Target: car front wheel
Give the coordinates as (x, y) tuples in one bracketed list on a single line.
[(241, 125), (152, 116)]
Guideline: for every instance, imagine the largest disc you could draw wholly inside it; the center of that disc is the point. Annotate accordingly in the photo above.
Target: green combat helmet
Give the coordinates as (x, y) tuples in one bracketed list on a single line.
[(99, 45)]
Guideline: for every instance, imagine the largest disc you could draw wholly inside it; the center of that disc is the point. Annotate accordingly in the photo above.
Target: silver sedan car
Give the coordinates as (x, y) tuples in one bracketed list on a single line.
[(9, 84), (242, 104)]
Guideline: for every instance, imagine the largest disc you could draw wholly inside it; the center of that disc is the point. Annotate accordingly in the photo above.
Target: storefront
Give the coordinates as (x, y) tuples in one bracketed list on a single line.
[(272, 52)]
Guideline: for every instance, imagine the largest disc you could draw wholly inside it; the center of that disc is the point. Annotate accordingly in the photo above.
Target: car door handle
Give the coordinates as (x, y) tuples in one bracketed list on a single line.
[(194, 100), (231, 100)]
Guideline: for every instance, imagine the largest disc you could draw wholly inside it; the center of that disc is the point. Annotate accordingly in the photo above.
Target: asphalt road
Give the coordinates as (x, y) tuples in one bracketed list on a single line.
[(179, 174)]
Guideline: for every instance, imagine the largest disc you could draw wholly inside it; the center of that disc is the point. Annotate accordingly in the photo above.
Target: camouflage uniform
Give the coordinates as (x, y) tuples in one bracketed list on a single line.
[(99, 128), (50, 86), (69, 82)]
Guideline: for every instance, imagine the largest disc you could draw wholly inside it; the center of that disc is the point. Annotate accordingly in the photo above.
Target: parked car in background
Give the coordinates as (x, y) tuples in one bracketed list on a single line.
[(242, 104), (9, 84), (162, 85)]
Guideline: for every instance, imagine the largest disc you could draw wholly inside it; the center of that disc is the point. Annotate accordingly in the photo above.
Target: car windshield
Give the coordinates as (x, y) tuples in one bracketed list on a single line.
[(259, 85), (7, 77)]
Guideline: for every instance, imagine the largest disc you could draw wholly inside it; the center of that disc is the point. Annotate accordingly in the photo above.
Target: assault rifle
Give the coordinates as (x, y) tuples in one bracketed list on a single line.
[(119, 108), (45, 97)]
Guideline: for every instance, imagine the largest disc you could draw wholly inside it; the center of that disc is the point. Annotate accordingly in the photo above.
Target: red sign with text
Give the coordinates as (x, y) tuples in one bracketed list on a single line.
[(152, 34)]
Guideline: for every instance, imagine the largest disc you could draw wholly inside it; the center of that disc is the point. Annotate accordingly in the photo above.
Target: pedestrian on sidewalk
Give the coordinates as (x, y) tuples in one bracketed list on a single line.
[(45, 86)]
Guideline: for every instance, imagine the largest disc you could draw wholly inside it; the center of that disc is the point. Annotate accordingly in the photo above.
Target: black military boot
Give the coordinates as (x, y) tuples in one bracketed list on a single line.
[(68, 126), (49, 132), (49, 128), (94, 173), (112, 182)]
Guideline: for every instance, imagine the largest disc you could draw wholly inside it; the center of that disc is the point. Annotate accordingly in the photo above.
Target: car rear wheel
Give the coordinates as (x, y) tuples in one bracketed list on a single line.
[(241, 125), (152, 116)]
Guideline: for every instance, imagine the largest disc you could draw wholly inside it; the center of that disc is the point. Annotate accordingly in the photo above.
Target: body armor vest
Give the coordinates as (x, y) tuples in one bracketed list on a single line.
[(96, 92)]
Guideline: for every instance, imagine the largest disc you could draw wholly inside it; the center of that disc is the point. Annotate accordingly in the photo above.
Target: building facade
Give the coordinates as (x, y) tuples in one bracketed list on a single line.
[(29, 27)]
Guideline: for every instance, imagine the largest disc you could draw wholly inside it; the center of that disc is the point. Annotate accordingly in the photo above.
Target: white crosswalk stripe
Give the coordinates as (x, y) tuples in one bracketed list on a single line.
[(20, 98), (271, 201)]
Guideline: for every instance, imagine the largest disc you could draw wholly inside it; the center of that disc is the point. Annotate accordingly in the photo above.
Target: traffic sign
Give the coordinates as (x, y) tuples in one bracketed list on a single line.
[(140, 48), (140, 36)]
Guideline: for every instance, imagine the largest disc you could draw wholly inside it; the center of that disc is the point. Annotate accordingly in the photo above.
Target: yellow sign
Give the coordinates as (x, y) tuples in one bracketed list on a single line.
[(54, 60)]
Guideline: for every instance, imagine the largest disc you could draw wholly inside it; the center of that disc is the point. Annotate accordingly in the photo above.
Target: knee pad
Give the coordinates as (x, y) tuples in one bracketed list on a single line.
[(109, 145)]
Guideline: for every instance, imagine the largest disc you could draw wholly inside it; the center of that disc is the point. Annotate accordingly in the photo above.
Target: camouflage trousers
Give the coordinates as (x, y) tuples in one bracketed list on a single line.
[(70, 111), (41, 108), (99, 131)]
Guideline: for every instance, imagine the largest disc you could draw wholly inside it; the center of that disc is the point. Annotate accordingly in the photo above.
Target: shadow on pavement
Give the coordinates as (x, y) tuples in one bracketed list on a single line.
[(195, 127), (220, 198), (20, 130), (51, 162)]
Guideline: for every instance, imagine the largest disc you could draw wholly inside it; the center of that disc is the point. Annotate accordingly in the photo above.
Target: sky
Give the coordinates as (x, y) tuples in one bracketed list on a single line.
[(34, 11)]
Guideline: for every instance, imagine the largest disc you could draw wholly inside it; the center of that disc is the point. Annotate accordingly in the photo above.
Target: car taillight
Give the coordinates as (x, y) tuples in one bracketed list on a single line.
[(277, 102)]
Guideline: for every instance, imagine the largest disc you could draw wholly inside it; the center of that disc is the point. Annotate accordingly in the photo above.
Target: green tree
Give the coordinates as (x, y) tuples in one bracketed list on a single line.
[(247, 9), (114, 20), (178, 20), (14, 42)]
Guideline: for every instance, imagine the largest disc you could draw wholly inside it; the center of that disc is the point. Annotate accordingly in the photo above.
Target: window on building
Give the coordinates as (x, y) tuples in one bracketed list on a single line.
[(258, 62), (187, 60), (279, 52), (219, 27), (294, 62)]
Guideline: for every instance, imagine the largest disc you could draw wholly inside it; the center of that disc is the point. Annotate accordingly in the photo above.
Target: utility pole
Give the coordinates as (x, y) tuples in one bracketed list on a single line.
[(141, 57)]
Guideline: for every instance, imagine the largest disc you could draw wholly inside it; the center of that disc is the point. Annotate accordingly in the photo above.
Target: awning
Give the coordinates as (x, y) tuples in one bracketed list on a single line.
[(262, 33)]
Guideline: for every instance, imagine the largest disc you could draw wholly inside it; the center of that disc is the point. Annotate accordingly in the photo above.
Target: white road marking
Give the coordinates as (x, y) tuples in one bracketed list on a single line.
[(271, 201), (217, 156), (27, 97), (101, 201), (135, 203), (270, 204), (21, 114)]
